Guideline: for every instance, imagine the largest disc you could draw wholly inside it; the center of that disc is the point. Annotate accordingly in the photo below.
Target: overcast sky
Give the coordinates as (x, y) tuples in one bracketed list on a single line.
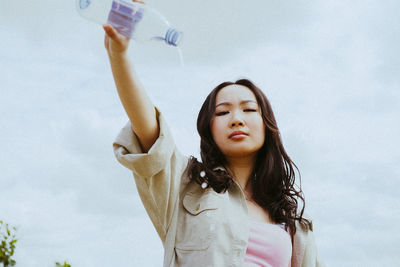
[(331, 70)]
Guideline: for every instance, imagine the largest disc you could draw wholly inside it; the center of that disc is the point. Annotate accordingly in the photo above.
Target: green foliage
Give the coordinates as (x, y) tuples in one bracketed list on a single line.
[(7, 245), (62, 265)]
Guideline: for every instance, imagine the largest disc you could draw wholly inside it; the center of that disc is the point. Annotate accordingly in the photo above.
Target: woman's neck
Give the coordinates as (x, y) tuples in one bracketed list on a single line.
[(240, 169)]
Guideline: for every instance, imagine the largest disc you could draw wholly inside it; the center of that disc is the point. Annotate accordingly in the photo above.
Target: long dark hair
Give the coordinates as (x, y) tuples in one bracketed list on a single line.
[(274, 184)]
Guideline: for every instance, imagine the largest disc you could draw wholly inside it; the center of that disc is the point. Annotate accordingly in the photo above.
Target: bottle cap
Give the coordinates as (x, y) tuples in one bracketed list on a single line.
[(173, 37)]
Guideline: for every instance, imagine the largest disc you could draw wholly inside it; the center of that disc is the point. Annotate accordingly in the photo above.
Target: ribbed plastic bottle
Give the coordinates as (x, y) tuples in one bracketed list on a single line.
[(133, 20)]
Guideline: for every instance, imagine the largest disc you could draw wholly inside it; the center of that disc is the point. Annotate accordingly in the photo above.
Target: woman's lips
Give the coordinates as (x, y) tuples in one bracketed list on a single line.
[(237, 135)]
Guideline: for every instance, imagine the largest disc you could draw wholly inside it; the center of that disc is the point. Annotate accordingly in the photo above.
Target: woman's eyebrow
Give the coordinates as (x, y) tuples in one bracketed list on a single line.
[(241, 103)]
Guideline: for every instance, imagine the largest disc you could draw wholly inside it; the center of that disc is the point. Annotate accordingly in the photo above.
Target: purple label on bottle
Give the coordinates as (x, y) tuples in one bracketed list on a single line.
[(124, 18)]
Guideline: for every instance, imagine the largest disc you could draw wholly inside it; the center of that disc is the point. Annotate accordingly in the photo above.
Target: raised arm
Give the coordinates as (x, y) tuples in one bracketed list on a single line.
[(136, 102)]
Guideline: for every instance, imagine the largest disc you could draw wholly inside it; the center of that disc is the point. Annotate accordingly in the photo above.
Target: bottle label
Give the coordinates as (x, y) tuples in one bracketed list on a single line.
[(124, 18)]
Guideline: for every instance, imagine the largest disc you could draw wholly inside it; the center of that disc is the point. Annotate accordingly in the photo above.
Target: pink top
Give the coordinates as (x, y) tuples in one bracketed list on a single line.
[(269, 246)]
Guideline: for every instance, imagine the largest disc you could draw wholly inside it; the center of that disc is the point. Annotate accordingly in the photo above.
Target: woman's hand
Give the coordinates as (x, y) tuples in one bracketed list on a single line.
[(115, 43)]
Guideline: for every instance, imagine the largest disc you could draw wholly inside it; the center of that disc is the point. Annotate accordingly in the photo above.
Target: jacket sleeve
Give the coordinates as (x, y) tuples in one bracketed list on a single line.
[(158, 173)]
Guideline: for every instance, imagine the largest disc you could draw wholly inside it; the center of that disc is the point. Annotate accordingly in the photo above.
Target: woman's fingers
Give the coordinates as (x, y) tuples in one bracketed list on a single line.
[(113, 33), (110, 31), (113, 41)]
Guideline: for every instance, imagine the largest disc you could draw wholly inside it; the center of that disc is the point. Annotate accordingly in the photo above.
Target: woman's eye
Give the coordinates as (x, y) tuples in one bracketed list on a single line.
[(221, 113), (250, 110)]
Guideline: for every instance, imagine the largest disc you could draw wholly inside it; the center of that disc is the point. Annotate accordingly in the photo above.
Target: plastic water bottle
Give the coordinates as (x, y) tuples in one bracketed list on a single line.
[(131, 19)]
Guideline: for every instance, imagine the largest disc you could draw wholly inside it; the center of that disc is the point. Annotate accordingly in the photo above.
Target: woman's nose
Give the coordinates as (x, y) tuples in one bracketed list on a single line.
[(237, 123), (237, 120)]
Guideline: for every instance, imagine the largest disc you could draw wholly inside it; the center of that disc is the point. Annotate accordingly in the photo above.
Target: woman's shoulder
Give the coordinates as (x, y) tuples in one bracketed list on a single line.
[(304, 230), (306, 224)]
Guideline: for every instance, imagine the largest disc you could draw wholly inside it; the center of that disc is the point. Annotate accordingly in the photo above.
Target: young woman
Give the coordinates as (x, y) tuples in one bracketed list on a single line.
[(239, 205)]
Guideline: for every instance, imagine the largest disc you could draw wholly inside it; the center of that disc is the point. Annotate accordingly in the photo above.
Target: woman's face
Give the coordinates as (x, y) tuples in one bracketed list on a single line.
[(237, 126)]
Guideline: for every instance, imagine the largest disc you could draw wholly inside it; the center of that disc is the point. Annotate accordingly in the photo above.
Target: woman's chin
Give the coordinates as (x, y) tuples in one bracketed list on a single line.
[(240, 152)]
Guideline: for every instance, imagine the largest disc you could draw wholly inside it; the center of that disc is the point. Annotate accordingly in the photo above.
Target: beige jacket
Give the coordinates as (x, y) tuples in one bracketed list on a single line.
[(197, 227)]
